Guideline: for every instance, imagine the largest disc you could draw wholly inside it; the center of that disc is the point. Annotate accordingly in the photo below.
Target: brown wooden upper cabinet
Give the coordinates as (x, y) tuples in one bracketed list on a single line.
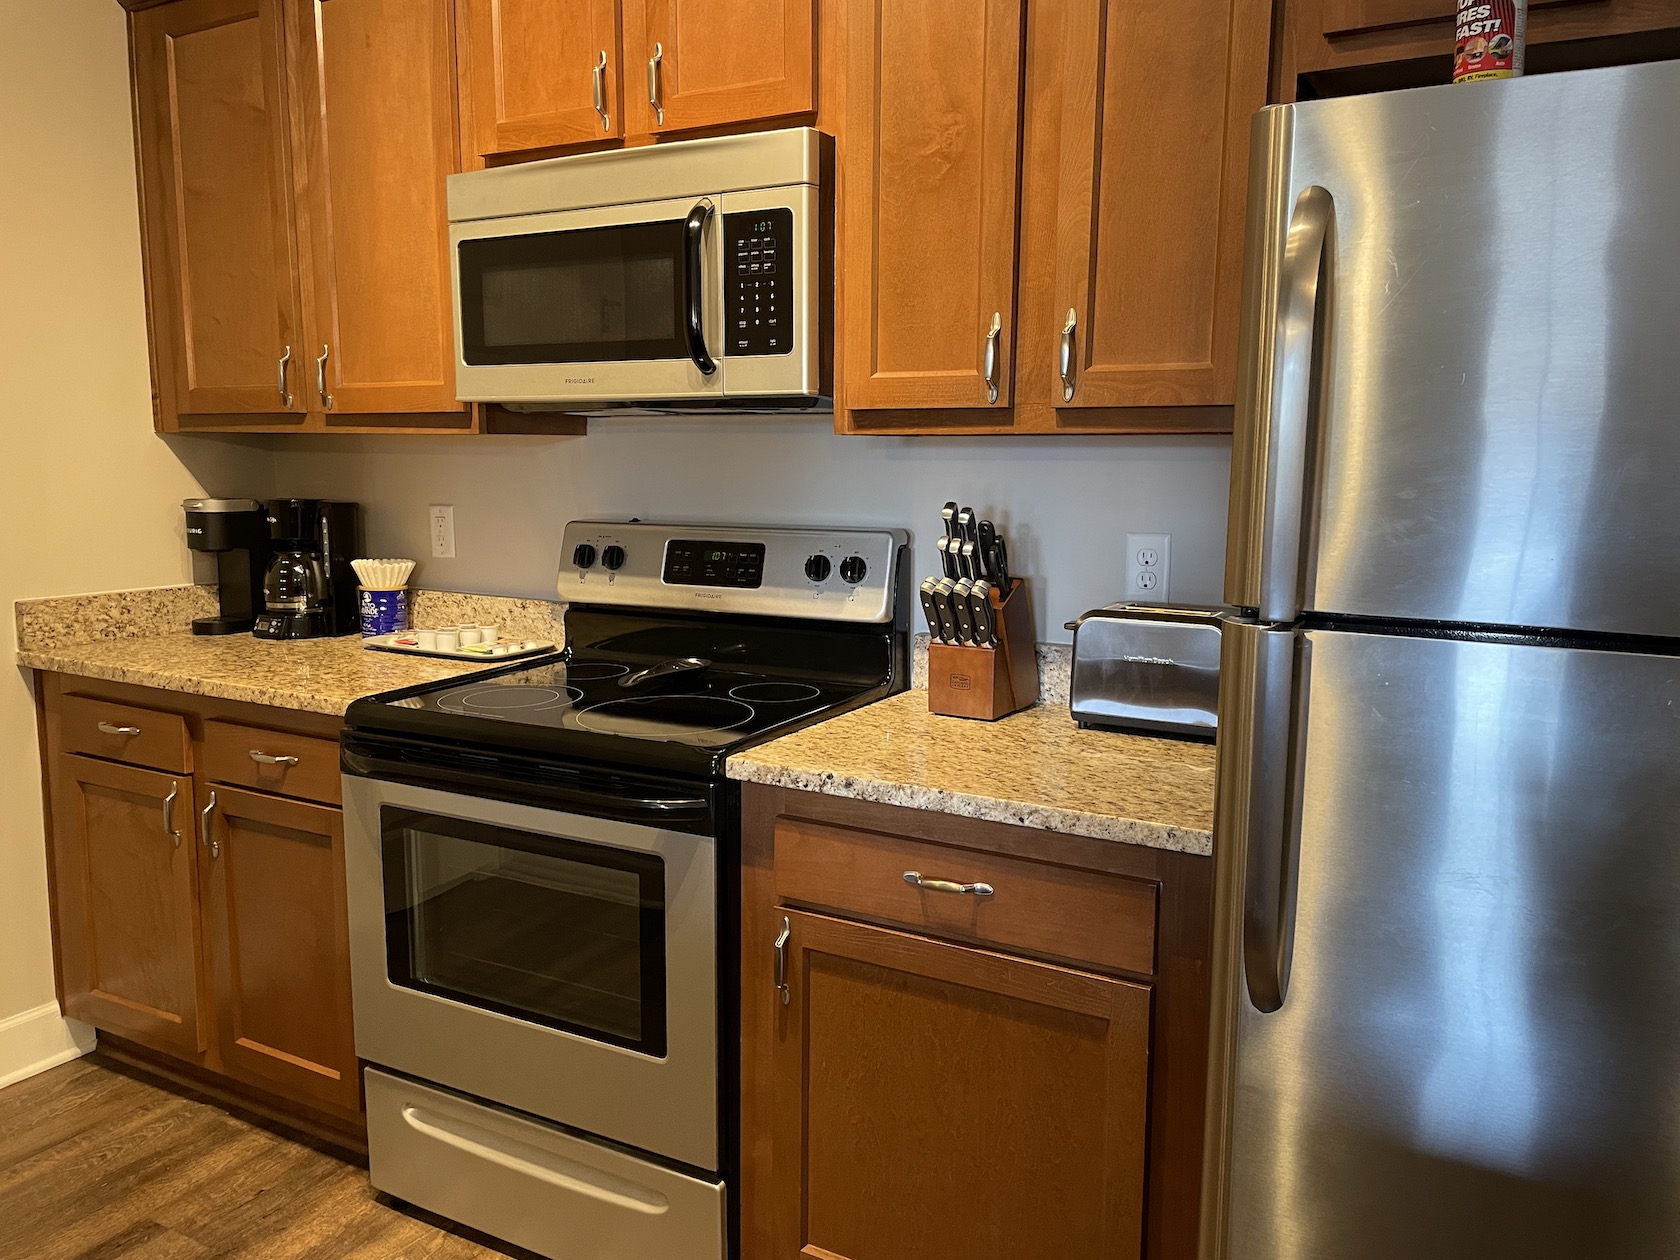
[(292, 160), (1342, 46), (1094, 146), (554, 74)]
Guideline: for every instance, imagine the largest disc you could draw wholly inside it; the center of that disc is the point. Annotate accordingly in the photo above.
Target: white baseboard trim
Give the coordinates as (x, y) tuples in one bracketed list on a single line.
[(34, 1040)]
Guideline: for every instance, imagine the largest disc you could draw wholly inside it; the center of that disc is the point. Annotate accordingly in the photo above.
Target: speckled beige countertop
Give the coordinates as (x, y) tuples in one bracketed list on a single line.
[(143, 638), (1034, 769)]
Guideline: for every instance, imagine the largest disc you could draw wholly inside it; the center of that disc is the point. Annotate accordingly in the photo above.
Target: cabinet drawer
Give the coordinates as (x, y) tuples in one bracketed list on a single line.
[(1081, 916), (272, 761), (120, 732)]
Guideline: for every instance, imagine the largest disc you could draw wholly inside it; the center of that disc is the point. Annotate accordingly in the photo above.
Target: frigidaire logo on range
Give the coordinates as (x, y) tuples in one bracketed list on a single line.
[(580, 380)]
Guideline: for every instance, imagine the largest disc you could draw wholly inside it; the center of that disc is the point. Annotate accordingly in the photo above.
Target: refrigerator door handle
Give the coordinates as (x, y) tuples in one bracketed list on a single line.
[(1303, 284), (1260, 770)]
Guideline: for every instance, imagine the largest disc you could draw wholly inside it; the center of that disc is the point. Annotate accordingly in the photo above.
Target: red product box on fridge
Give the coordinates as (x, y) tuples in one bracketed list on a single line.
[(1489, 42)]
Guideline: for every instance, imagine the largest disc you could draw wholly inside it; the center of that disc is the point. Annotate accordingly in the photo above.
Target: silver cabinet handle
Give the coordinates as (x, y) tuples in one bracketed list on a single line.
[(1067, 354), (992, 335), (321, 378), (948, 885), (264, 759), (653, 83), (601, 90), (206, 820), (108, 729), (285, 394), (781, 961), (169, 813)]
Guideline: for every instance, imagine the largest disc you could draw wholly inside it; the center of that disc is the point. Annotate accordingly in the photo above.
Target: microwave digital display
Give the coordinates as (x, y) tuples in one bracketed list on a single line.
[(695, 562)]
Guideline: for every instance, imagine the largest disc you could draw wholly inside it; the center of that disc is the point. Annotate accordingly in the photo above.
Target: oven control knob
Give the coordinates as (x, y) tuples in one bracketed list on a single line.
[(583, 555), (817, 568), (613, 557), (853, 569)]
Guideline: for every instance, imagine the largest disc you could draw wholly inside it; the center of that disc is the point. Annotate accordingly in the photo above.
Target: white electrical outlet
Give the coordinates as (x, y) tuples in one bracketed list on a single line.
[(1148, 566), (443, 531)]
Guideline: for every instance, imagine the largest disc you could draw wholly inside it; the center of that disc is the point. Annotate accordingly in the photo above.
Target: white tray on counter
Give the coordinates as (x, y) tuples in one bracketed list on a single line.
[(388, 643)]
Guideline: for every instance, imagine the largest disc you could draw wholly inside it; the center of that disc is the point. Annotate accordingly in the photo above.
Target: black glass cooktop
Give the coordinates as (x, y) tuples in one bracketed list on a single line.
[(656, 693)]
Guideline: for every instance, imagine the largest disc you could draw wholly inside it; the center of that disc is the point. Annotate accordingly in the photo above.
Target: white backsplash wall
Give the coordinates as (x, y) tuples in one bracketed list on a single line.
[(1066, 503)]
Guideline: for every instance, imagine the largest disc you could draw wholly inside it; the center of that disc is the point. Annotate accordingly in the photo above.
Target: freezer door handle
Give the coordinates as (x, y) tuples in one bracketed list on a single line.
[(1260, 774), (1303, 285)]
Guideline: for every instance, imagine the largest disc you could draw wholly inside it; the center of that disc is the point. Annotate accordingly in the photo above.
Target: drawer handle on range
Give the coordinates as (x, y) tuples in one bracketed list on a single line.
[(108, 729), (653, 83), (992, 334), (948, 885), (1066, 363), (265, 759), (601, 90), (781, 961), (169, 813), (206, 822)]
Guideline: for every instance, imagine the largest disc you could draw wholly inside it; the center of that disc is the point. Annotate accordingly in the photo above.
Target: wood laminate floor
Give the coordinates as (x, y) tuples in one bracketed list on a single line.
[(98, 1165)]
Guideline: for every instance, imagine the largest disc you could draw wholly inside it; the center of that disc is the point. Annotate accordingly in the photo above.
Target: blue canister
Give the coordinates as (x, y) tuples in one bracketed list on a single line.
[(384, 612)]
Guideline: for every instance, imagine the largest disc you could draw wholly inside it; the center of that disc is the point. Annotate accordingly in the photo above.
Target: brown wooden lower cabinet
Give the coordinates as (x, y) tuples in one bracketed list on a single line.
[(199, 919), (930, 1074)]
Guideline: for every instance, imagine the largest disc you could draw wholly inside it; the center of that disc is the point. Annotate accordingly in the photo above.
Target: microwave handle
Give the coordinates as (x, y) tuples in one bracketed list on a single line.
[(694, 238)]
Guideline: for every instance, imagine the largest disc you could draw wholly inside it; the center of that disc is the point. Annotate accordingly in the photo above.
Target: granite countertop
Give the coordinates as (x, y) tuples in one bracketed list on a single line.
[(1034, 769), (143, 638)]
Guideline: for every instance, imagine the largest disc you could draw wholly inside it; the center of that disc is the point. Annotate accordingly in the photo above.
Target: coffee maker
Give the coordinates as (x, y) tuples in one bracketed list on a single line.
[(235, 531), (309, 589)]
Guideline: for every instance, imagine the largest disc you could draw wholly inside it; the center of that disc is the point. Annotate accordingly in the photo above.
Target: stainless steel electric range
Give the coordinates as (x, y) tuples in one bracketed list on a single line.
[(542, 865)]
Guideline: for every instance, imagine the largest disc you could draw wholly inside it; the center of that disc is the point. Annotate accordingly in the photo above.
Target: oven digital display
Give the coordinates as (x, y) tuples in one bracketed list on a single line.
[(695, 562)]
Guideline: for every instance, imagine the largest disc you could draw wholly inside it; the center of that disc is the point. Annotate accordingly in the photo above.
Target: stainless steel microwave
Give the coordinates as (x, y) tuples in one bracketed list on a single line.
[(695, 276)]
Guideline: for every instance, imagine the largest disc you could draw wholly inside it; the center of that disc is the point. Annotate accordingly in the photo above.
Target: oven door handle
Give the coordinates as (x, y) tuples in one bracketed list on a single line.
[(694, 240)]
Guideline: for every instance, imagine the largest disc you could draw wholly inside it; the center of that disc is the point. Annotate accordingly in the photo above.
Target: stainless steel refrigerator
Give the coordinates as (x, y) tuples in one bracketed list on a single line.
[(1447, 977)]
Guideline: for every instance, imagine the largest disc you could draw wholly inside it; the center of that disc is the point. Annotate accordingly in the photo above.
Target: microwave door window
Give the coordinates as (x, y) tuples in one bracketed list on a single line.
[(595, 295)]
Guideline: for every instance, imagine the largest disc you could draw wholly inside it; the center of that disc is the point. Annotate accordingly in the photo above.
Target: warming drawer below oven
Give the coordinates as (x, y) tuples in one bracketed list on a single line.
[(533, 1184)]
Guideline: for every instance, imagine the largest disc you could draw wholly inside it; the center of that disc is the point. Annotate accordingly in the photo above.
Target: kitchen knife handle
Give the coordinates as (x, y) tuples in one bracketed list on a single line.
[(600, 72), (947, 561), (653, 83), (1262, 725), (694, 238), (931, 612), (780, 949), (1285, 402), (960, 609), (948, 886), (991, 361), (1066, 361)]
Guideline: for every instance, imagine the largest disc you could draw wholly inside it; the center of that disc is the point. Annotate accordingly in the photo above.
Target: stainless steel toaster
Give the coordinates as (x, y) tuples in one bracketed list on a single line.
[(1153, 671)]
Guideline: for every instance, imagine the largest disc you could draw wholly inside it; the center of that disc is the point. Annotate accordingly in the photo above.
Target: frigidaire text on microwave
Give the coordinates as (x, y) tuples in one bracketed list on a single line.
[(685, 277)]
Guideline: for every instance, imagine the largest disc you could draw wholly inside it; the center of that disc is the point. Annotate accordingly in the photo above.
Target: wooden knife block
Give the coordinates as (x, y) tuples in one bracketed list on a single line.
[(989, 683)]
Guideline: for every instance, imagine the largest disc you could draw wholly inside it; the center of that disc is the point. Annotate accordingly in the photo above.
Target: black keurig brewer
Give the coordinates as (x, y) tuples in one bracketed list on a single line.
[(309, 590), (235, 531)]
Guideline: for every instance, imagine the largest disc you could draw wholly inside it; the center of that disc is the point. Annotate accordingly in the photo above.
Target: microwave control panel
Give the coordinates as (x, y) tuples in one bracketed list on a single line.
[(758, 290)]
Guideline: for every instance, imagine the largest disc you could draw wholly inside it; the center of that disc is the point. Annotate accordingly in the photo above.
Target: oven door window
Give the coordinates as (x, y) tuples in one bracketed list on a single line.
[(563, 933), (612, 294)]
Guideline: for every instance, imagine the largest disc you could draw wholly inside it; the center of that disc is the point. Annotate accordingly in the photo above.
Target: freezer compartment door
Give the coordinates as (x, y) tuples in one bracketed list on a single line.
[(1475, 1050), (1460, 390)]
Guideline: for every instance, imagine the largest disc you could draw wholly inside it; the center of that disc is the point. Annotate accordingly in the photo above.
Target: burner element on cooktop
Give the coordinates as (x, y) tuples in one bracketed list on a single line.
[(503, 699), (594, 671), (775, 692), (666, 715)]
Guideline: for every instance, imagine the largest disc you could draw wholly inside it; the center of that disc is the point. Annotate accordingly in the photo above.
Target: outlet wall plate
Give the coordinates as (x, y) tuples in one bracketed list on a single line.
[(1148, 568), (442, 529)]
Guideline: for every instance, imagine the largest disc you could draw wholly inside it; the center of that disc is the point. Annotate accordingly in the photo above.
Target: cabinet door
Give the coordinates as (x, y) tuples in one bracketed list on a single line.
[(946, 1103), (216, 182), (534, 77), (933, 135), (376, 121), (278, 943), (127, 901), (1151, 186), (703, 64)]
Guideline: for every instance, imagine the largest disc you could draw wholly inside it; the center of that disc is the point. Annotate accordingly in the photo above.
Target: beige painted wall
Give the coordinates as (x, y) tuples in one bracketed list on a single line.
[(91, 496)]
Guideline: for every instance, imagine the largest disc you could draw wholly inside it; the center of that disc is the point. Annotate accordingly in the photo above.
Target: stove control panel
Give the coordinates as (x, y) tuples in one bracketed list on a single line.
[(822, 574)]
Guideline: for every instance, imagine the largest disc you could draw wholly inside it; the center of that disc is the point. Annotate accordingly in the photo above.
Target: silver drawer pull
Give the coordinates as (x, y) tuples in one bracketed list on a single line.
[(169, 812), (948, 886), (108, 729), (781, 961), (264, 759), (206, 828)]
